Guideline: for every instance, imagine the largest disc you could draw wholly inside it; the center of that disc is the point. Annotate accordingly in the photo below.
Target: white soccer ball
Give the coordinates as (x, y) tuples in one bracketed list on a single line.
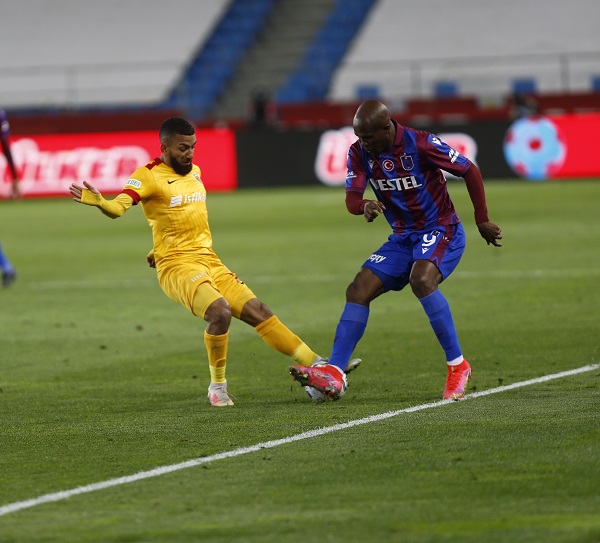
[(317, 396)]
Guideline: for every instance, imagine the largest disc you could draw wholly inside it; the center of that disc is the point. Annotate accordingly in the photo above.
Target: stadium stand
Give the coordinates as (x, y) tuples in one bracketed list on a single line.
[(317, 58), (216, 62), (84, 54), (481, 46), (311, 79), (289, 30)]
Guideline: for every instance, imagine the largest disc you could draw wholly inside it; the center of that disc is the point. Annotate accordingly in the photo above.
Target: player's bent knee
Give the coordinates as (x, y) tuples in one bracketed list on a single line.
[(422, 286), (424, 278), (218, 316), (359, 294), (353, 293), (364, 288), (254, 312), (218, 310)]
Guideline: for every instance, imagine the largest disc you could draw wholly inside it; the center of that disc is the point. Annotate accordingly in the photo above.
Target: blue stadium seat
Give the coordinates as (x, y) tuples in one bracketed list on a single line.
[(291, 94), (525, 85), (445, 89), (368, 92)]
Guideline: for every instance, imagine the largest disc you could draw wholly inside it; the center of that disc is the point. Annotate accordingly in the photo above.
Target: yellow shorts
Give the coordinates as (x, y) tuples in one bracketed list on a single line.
[(180, 278)]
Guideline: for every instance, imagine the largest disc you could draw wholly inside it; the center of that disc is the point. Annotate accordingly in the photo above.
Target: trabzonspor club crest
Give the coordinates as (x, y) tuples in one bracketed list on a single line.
[(407, 162)]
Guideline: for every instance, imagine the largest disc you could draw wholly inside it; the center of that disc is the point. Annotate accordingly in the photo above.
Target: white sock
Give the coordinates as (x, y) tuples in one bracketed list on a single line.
[(456, 361)]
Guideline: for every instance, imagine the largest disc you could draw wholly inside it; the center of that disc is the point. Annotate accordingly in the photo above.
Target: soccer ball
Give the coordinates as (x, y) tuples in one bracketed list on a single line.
[(317, 396)]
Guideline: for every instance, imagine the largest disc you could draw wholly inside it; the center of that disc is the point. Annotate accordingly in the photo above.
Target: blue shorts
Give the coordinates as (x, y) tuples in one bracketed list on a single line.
[(442, 245)]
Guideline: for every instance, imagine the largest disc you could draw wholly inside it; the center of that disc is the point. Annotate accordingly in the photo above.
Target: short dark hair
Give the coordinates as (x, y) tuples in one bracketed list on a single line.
[(173, 126)]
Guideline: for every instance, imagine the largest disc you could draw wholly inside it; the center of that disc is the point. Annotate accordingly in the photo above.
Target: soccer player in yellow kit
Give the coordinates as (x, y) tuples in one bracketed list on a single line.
[(173, 199)]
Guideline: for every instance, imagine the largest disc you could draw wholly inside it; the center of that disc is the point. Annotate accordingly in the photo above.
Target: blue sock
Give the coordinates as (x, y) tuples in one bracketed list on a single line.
[(437, 309), (348, 333), (5, 264)]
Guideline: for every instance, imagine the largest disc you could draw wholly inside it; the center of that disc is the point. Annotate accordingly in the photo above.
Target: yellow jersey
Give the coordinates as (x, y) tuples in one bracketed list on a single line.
[(175, 207)]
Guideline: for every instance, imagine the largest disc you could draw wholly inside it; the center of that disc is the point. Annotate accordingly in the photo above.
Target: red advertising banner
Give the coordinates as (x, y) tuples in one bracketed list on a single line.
[(332, 153), (48, 164), (554, 146), (582, 138)]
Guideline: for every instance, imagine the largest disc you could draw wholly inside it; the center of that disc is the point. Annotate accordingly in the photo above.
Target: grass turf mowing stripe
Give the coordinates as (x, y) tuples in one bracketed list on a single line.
[(156, 472), (270, 279)]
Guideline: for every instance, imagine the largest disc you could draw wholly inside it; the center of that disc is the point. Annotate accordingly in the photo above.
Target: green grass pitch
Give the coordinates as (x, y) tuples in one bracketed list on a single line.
[(102, 376)]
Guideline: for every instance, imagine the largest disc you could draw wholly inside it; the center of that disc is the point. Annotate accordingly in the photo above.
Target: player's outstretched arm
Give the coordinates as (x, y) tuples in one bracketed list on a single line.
[(90, 195), (77, 190)]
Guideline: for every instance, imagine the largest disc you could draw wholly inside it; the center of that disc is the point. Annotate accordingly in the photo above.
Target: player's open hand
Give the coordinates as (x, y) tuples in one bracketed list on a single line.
[(491, 233), (77, 190), (372, 210)]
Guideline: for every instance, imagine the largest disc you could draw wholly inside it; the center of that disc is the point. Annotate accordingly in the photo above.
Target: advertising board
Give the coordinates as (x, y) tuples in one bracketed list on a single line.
[(554, 146), (48, 164)]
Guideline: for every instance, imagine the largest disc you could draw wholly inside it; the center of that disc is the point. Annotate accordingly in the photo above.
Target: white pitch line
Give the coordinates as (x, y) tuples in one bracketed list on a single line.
[(156, 472)]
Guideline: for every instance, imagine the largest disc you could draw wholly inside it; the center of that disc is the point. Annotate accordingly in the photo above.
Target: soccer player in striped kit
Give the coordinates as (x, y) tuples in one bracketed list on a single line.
[(173, 199), (404, 168)]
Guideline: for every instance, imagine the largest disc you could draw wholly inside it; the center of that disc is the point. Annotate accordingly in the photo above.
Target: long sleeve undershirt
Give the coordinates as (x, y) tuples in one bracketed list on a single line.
[(111, 208)]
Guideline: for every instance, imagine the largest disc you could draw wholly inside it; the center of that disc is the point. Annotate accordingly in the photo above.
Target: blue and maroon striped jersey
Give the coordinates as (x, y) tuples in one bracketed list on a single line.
[(408, 180)]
